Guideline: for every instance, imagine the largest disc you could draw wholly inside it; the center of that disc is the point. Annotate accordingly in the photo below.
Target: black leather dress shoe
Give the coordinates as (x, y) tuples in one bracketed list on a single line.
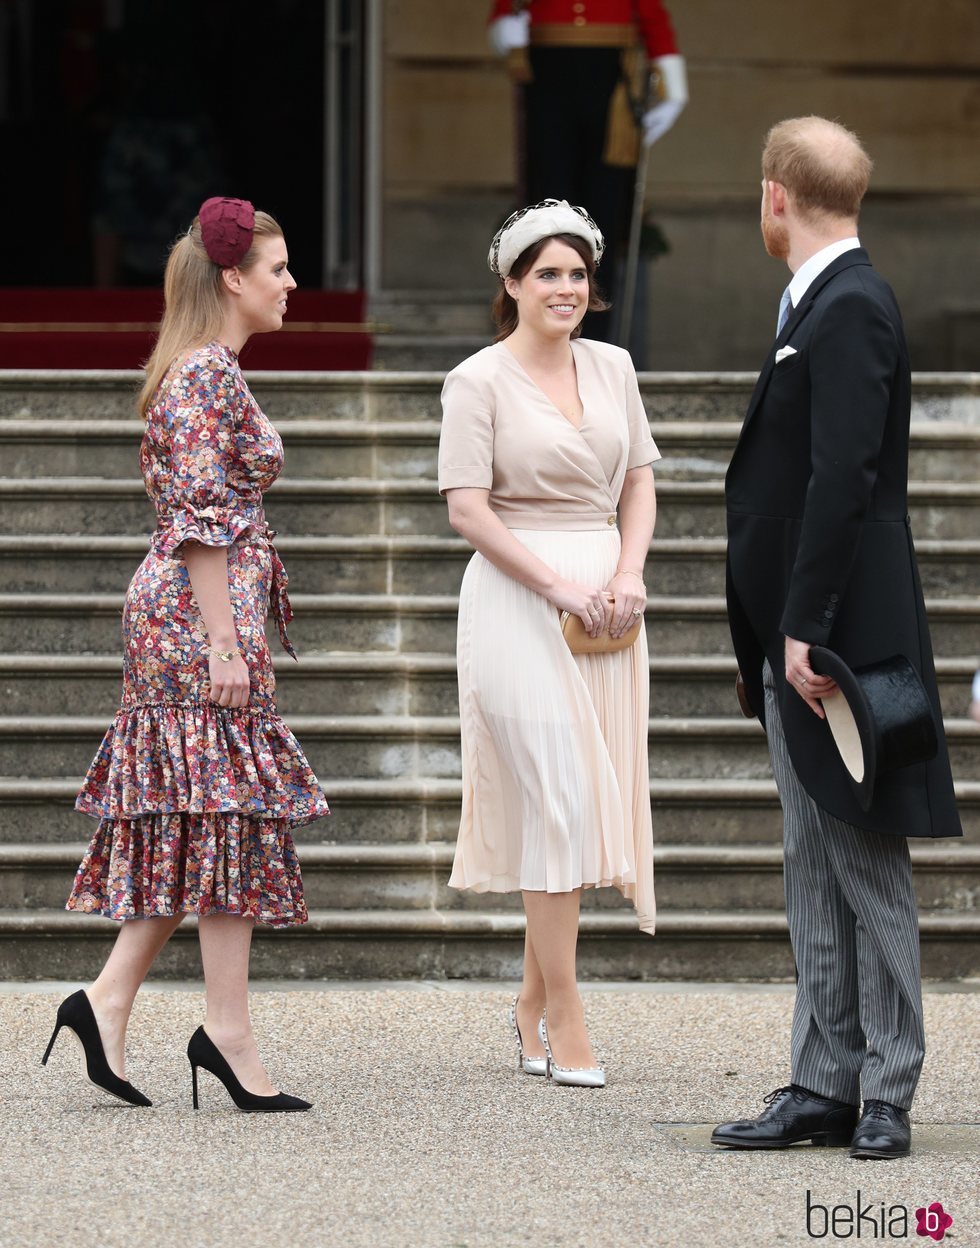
[(791, 1116), (884, 1131)]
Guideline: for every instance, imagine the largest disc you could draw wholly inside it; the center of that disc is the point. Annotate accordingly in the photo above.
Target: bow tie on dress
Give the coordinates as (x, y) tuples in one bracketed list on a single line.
[(282, 611)]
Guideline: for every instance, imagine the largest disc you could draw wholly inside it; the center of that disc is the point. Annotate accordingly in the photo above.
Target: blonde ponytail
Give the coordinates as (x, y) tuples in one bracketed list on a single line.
[(194, 307)]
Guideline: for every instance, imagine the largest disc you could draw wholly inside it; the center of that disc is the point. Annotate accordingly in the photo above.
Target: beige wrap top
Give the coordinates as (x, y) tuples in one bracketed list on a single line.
[(501, 432)]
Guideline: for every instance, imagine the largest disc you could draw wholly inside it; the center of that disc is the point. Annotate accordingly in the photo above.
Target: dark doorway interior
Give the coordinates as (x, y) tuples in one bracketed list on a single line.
[(118, 117)]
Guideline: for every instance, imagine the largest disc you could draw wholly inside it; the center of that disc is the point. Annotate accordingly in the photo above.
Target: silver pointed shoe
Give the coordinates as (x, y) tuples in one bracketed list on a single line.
[(569, 1076), (530, 1065)]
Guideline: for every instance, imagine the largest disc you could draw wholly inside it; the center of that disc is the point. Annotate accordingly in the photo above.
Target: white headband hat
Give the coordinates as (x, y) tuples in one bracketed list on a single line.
[(527, 225)]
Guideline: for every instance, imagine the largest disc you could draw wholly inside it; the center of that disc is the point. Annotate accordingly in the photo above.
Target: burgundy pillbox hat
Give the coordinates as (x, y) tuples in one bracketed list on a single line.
[(227, 226)]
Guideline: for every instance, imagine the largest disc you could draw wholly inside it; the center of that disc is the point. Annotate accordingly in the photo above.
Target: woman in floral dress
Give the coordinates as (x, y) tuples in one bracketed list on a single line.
[(198, 781)]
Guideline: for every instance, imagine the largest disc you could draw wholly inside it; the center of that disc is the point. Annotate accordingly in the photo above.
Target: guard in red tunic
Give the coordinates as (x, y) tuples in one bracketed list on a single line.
[(572, 56)]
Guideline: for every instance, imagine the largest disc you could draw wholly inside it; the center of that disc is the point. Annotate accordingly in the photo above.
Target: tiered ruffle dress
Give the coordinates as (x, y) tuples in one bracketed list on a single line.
[(556, 779), (196, 802)]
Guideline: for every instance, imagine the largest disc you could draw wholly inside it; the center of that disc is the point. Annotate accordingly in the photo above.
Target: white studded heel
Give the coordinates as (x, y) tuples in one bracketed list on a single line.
[(569, 1076), (530, 1065)]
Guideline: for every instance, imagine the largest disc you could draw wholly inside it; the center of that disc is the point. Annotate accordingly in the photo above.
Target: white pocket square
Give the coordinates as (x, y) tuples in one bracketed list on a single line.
[(783, 352)]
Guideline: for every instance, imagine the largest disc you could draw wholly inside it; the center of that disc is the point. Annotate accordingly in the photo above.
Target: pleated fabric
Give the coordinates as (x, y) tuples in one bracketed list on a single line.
[(556, 788)]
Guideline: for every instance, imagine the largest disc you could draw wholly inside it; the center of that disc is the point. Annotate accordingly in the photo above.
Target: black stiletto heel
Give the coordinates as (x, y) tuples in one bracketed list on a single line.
[(54, 1036), (75, 1013), (203, 1052)]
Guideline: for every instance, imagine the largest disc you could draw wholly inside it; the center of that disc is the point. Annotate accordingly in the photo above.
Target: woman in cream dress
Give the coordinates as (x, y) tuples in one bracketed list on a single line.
[(545, 445)]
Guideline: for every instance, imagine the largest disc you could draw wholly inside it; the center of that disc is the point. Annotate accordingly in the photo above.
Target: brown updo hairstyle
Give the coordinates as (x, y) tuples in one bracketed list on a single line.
[(504, 308)]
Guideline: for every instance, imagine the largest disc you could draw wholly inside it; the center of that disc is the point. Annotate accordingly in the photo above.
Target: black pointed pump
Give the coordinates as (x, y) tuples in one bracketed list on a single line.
[(204, 1053), (75, 1013)]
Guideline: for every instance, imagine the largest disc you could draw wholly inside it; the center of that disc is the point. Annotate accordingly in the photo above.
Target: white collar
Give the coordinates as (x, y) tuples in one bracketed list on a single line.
[(810, 270)]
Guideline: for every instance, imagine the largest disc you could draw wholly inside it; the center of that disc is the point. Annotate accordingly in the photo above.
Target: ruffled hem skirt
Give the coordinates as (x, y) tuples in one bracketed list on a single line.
[(195, 806), (160, 865), (556, 787)]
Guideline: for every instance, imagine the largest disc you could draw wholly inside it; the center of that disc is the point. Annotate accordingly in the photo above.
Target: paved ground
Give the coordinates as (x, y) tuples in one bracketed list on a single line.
[(425, 1134)]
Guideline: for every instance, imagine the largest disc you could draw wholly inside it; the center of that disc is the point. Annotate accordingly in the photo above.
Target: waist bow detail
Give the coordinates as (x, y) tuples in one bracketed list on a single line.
[(169, 535), (282, 611)]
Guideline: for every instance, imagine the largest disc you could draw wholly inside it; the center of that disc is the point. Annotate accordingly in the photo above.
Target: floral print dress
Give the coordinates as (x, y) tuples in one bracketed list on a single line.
[(195, 802)]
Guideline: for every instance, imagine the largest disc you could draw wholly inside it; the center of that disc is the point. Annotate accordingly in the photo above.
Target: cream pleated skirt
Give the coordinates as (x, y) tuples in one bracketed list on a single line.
[(556, 787)]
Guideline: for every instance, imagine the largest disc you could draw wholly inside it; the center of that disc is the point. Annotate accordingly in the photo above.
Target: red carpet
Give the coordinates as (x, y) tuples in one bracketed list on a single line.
[(49, 328)]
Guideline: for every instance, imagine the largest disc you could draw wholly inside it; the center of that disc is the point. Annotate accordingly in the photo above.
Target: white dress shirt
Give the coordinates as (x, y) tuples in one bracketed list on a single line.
[(811, 269)]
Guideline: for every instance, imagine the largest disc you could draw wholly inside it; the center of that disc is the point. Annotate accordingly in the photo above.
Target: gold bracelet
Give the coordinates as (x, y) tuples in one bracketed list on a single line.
[(628, 572), (225, 656)]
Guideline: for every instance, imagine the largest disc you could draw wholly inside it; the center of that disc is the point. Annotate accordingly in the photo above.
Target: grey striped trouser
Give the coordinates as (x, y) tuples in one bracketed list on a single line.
[(850, 902)]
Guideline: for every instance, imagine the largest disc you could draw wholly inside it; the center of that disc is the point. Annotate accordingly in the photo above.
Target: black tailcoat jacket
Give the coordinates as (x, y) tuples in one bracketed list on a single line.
[(819, 540)]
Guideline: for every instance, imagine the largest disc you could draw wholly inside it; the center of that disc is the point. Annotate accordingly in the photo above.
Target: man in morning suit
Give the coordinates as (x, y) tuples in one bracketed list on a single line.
[(820, 553)]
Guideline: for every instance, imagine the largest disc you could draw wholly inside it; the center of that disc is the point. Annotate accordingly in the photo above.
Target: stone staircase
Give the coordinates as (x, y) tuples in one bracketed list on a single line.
[(375, 569)]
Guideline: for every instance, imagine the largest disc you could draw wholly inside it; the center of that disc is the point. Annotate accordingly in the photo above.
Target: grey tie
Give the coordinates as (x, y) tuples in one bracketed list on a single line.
[(784, 306)]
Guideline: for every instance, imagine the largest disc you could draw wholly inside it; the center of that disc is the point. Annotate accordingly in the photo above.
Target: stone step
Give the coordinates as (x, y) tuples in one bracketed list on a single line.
[(478, 944), (463, 312), (363, 811), (399, 623), (395, 352), (377, 564), (83, 394), (360, 506), (374, 532), (354, 623), (389, 450), (386, 684), (390, 747), (415, 877), (399, 747), (408, 450), (421, 811)]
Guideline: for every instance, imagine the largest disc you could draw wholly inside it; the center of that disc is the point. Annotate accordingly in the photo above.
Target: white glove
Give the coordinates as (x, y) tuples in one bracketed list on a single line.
[(507, 33), (673, 82), (658, 120)]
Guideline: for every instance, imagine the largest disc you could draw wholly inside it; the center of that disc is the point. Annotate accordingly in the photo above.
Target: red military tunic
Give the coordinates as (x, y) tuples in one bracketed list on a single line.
[(595, 23)]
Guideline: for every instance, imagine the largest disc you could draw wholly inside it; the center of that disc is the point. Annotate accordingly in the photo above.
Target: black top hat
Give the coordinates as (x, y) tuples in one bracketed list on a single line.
[(881, 719)]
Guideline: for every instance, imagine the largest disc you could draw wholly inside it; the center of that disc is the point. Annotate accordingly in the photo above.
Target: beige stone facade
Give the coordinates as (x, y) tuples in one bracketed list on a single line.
[(904, 74)]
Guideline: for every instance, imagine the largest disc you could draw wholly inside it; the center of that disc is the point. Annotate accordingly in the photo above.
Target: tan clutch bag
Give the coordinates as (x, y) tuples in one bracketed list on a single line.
[(579, 641)]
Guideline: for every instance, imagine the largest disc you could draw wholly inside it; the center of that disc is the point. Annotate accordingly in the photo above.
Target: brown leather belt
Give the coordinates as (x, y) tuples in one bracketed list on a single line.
[(588, 35)]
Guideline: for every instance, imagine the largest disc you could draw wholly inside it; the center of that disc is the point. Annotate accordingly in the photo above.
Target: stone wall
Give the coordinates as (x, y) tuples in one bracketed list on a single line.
[(905, 75)]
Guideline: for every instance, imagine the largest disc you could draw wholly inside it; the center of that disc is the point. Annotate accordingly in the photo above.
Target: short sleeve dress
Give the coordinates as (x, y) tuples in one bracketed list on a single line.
[(556, 788), (196, 802)]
